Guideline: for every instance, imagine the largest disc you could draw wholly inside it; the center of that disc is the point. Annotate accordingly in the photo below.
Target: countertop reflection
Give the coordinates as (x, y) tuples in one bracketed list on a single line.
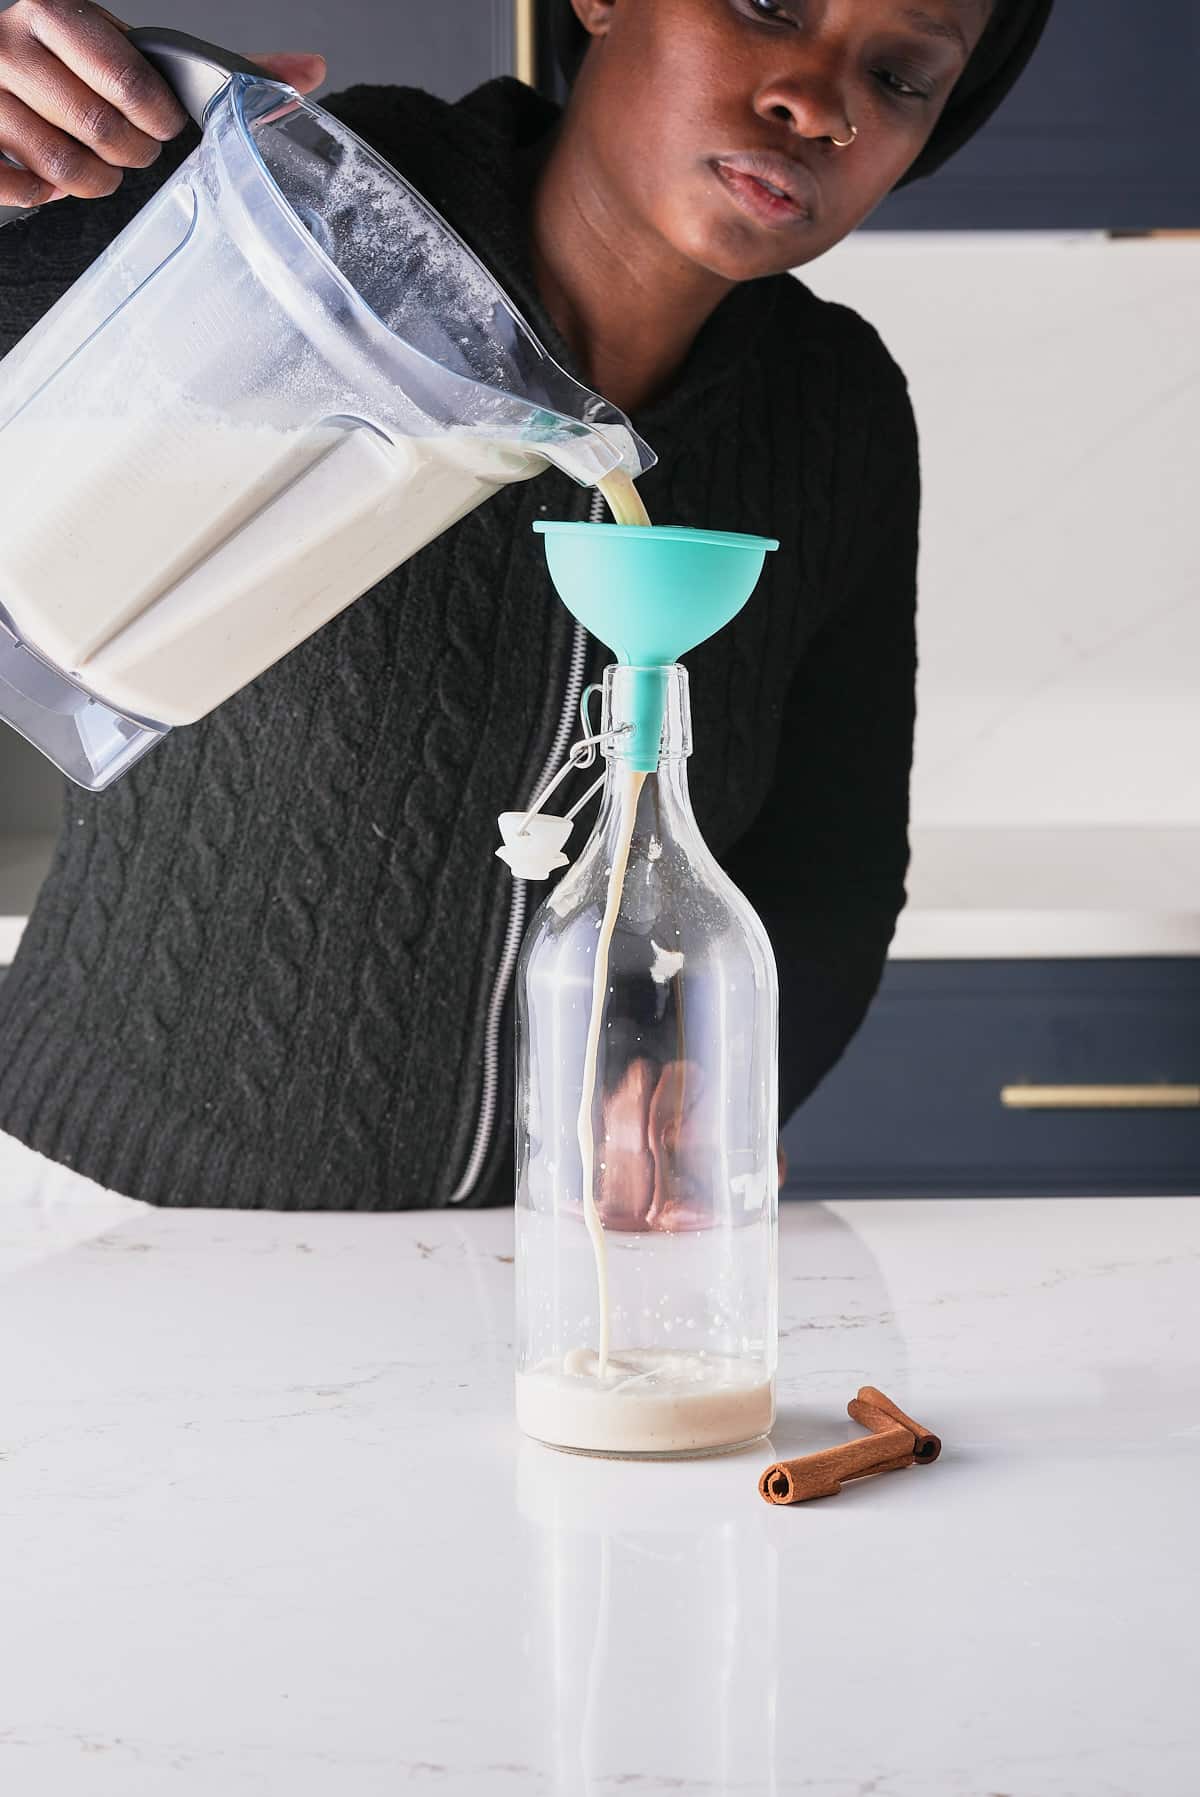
[(269, 1529)]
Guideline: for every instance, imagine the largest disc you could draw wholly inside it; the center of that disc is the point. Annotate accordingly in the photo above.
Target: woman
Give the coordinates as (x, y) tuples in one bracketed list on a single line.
[(267, 966)]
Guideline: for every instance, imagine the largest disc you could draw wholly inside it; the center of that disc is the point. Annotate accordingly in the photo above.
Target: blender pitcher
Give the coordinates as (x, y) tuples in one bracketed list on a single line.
[(281, 380)]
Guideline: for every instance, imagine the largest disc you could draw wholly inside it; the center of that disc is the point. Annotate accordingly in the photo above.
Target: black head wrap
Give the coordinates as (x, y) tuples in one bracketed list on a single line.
[(1008, 42)]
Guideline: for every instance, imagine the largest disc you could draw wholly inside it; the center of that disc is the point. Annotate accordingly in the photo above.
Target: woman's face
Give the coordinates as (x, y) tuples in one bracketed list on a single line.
[(711, 120)]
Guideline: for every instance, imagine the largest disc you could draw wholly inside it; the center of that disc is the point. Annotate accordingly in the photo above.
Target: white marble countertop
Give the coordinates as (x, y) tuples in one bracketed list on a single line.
[(267, 1526)]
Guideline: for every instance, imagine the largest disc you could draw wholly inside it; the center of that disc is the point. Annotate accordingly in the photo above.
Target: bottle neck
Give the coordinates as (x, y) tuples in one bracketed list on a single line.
[(647, 717), (663, 803)]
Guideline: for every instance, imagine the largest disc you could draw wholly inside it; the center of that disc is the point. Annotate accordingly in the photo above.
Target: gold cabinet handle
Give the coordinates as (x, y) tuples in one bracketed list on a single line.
[(525, 28), (1101, 1098)]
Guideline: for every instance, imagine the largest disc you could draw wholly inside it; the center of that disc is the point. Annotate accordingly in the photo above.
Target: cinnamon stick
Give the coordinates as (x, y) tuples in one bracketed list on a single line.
[(877, 1412), (895, 1441), (823, 1474)]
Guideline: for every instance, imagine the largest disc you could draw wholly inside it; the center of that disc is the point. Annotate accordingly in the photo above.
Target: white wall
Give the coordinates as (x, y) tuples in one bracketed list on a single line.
[(1057, 386)]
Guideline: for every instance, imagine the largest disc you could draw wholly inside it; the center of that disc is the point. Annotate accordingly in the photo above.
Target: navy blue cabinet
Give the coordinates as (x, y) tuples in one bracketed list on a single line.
[(1099, 133), (447, 48), (988, 1078)]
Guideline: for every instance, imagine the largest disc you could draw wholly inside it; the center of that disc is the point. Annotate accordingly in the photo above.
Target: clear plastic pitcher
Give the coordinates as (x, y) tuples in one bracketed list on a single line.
[(283, 378)]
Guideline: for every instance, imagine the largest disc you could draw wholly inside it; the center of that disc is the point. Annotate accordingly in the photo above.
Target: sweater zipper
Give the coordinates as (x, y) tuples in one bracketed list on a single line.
[(517, 912)]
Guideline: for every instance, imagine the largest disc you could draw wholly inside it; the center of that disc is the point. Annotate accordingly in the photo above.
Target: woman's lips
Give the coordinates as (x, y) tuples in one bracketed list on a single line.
[(770, 196)]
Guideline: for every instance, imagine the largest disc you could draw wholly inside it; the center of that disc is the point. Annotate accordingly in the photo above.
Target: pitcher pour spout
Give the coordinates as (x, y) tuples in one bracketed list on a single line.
[(590, 451), (575, 429)]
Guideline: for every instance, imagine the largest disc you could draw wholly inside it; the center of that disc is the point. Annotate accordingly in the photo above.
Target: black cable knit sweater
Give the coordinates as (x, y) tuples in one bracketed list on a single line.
[(259, 971)]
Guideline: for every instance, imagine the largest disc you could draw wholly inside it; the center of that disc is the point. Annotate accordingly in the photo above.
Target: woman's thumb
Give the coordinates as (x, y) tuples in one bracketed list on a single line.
[(301, 69)]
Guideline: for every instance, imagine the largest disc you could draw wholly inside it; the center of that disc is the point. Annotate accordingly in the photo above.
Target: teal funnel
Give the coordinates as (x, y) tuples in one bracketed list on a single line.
[(651, 593)]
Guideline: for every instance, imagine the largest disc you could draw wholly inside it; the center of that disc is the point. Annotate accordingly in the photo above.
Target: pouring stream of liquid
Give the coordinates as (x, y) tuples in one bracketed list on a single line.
[(625, 503)]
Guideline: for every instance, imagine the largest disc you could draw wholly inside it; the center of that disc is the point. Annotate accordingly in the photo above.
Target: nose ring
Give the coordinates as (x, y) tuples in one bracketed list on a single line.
[(843, 143)]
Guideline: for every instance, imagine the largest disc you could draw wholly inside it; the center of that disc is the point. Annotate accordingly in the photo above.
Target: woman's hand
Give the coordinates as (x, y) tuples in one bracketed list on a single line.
[(79, 105), (656, 1170)]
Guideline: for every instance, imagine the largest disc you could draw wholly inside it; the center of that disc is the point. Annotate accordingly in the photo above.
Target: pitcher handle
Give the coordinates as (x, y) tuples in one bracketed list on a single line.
[(195, 71)]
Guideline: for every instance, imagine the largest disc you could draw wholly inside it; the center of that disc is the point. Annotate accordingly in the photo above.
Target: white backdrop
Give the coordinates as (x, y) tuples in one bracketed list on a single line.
[(1057, 387)]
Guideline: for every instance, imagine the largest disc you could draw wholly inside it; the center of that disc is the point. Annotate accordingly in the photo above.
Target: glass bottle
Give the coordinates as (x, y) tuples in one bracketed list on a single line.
[(646, 1318)]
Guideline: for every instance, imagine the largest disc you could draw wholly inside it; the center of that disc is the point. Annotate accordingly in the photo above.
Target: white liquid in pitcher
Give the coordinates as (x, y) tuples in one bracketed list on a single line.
[(172, 556), (633, 1401)]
